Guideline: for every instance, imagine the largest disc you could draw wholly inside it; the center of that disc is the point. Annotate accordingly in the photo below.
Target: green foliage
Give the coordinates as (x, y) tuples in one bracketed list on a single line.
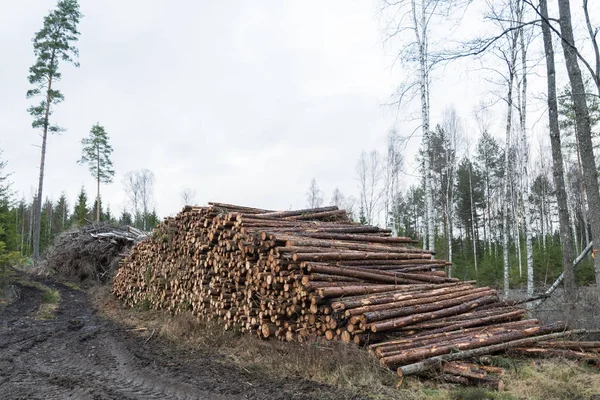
[(81, 210), (408, 211), (469, 195), (125, 218), (9, 238), (51, 45), (60, 216), (51, 296), (96, 154)]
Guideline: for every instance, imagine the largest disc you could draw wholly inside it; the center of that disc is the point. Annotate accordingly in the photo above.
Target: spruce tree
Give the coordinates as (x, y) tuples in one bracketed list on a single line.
[(60, 216), (81, 210), (96, 154), (52, 45), (8, 234)]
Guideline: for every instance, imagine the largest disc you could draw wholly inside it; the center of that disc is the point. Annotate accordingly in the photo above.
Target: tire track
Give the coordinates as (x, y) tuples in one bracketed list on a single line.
[(80, 355)]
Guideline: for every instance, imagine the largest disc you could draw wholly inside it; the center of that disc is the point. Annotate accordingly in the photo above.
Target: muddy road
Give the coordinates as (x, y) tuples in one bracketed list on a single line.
[(78, 354)]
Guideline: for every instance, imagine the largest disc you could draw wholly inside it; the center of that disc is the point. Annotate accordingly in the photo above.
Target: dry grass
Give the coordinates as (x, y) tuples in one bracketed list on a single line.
[(349, 367)]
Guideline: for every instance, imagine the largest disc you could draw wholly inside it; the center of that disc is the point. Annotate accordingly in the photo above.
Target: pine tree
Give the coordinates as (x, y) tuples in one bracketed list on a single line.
[(96, 154), (51, 45), (81, 210)]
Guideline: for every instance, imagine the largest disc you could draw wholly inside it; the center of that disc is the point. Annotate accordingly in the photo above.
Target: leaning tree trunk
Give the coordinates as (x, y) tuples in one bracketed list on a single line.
[(584, 131)]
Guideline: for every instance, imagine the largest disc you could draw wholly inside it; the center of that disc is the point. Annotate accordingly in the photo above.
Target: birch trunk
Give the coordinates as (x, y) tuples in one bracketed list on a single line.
[(420, 28), (525, 191), (517, 227), (583, 129), (506, 192)]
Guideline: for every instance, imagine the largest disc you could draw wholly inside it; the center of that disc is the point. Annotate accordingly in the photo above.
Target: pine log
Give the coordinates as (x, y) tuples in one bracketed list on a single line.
[(432, 362), (392, 324)]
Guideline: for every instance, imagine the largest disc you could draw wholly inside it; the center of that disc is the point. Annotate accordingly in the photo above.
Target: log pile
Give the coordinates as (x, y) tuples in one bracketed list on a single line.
[(313, 274)]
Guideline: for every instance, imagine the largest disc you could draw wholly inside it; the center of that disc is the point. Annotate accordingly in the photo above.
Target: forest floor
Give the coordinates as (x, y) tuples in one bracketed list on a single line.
[(58, 341)]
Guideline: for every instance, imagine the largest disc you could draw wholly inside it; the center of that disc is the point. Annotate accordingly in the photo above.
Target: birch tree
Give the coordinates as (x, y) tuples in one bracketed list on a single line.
[(369, 176), (138, 187), (525, 36), (314, 196), (188, 196), (393, 165), (53, 44), (508, 18), (338, 199), (417, 17)]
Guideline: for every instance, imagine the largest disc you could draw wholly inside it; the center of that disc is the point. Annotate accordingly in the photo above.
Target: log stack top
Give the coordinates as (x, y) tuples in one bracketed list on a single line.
[(313, 274)]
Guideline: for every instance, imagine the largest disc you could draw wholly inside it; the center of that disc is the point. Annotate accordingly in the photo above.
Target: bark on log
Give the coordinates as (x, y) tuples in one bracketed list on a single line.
[(422, 366)]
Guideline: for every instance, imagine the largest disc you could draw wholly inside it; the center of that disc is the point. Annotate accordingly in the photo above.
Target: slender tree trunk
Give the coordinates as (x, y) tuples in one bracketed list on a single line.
[(583, 203), (23, 232), (420, 29), (474, 237), (525, 192), (98, 184), (37, 212), (517, 227), (584, 131), (557, 164), (506, 192)]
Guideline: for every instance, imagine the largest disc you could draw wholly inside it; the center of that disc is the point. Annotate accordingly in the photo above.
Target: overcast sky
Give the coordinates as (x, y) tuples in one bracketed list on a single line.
[(241, 101)]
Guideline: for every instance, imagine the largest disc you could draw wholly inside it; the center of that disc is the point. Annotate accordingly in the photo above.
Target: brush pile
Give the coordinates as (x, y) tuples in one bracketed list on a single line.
[(314, 275), (91, 252)]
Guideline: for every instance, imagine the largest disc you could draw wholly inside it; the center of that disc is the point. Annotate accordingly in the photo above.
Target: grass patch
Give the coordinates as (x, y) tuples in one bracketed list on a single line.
[(49, 305), (348, 367), (51, 296), (71, 285)]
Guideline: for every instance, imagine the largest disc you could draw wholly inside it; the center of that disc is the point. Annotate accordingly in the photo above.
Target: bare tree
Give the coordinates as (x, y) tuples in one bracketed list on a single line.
[(509, 18), (525, 38), (138, 187), (392, 167), (338, 199), (417, 16), (453, 133), (314, 196), (369, 175), (188, 197)]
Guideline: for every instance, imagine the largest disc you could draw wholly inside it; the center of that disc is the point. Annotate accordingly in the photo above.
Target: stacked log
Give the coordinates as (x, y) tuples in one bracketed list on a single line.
[(315, 275)]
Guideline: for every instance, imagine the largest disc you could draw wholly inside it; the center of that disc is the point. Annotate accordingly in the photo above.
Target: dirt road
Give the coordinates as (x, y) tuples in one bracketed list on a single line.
[(80, 355)]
